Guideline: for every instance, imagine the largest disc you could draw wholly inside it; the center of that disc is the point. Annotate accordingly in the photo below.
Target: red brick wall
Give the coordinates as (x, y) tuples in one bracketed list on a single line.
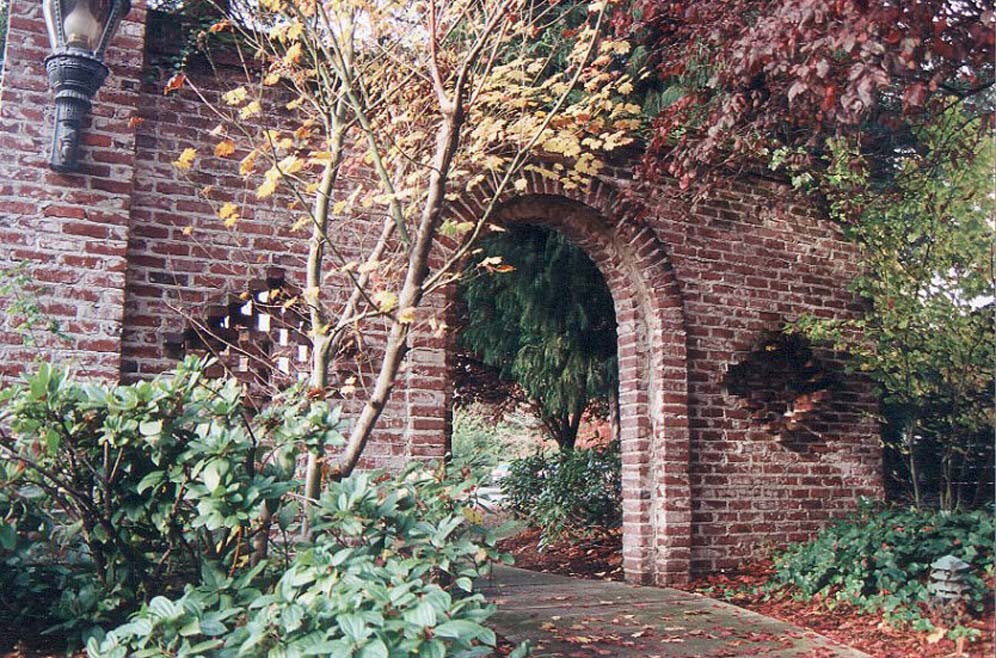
[(708, 478), (72, 230), (181, 257), (749, 260), (714, 470)]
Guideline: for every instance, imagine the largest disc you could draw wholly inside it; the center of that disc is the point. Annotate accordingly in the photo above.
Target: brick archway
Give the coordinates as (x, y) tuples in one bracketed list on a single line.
[(653, 380)]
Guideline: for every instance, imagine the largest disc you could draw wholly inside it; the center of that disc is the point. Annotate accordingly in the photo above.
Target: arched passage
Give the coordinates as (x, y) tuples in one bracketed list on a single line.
[(653, 388)]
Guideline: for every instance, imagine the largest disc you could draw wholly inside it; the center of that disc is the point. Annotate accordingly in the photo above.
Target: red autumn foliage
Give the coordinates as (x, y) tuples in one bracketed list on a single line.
[(765, 74)]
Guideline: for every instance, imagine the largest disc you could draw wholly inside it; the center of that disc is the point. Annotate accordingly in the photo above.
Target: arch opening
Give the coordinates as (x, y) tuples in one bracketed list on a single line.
[(652, 376)]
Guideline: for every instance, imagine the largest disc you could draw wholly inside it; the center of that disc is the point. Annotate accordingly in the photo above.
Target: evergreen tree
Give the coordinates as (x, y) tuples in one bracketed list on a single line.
[(543, 319)]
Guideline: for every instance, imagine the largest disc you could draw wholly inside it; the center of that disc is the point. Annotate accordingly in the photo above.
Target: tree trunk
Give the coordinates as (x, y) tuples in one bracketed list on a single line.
[(411, 291)]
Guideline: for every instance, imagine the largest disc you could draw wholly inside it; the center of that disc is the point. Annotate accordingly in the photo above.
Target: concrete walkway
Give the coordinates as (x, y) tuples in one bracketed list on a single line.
[(568, 617)]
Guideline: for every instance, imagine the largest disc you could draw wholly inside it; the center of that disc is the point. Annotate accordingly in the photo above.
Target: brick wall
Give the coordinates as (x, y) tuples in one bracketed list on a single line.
[(181, 258), (734, 439), (71, 230), (750, 259)]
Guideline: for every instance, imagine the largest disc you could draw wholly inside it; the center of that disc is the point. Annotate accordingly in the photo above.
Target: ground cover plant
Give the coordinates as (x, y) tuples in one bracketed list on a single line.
[(879, 559), (863, 581), (161, 519)]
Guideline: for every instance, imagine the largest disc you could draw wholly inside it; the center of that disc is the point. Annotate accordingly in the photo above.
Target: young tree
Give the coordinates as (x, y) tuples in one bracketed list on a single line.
[(544, 319), (437, 99), (926, 337)]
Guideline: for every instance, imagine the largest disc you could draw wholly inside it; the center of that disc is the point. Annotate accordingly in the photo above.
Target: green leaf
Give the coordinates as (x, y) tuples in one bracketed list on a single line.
[(150, 481), (458, 629), (424, 614), (374, 649), (163, 608), (8, 536), (353, 627)]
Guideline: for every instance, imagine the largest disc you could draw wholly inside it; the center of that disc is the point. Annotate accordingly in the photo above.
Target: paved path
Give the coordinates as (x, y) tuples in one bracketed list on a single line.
[(571, 618)]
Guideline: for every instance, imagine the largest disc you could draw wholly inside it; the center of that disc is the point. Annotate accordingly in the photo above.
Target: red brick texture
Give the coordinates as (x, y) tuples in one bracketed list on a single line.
[(718, 464), (72, 230)]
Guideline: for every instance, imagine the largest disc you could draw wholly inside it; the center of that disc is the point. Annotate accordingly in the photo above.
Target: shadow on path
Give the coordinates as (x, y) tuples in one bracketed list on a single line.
[(566, 617)]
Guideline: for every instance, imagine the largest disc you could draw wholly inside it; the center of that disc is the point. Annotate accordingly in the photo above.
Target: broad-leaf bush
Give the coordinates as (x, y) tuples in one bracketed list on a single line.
[(573, 492), (390, 573), (879, 559), (112, 495), (135, 518)]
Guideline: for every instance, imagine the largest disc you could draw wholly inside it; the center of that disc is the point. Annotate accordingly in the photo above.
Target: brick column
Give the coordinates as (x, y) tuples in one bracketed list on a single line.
[(71, 230)]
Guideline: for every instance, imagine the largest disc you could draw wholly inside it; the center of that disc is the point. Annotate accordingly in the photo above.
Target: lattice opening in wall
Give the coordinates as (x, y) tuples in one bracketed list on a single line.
[(259, 335)]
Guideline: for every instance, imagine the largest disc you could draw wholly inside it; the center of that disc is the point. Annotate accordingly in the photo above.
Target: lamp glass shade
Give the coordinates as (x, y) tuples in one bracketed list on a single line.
[(83, 22)]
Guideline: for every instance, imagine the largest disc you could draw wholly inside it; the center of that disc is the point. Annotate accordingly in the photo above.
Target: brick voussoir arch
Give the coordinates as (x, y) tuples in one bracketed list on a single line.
[(653, 378)]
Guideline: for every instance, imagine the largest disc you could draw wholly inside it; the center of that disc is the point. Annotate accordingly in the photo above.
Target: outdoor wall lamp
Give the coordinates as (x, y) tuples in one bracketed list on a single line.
[(79, 31)]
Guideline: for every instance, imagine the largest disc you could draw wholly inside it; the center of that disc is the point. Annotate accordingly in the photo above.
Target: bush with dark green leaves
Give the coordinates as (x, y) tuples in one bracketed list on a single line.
[(567, 493), (391, 572), (161, 519), (111, 495), (879, 559)]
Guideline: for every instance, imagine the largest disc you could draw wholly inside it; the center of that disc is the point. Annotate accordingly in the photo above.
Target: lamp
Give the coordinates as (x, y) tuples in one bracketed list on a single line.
[(947, 579), (79, 31)]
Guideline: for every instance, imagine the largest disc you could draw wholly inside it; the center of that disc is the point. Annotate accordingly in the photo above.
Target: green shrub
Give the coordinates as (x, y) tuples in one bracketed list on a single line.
[(391, 573), (879, 559), (574, 492), (112, 495)]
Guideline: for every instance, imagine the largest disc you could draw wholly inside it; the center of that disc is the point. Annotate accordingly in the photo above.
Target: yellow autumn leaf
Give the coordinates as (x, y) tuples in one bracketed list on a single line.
[(250, 110), (407, 316), (937, 635), (248, 163), (521, 185), (186, 159), (267, 187), (236, 96), (229, 212), (626, 88), (271, 79), (473, 515), (616, 140), (368, 266), (291, 164), (293, 54), (224, 148), (385, 301)]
